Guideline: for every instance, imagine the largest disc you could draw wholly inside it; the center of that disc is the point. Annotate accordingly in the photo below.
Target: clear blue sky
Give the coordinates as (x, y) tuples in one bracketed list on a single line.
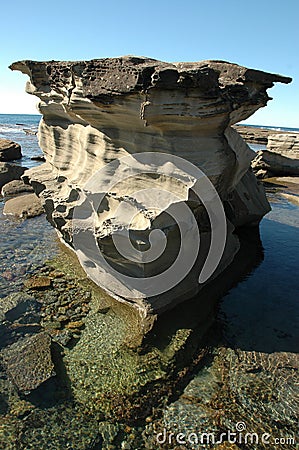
[(260, 34)]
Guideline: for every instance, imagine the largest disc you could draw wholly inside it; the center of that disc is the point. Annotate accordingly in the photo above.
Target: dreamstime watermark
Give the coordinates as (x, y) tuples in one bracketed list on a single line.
[(239, 436), (107, 189)]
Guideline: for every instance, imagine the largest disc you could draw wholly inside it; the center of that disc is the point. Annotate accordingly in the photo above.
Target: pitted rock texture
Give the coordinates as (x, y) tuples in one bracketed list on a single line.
[(95, 112)]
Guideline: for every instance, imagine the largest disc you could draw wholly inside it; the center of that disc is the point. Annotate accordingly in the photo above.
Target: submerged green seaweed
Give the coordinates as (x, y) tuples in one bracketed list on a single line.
[(115, 389)]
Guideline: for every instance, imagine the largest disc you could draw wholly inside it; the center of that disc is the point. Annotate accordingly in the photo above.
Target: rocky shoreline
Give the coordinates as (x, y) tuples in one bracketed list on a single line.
[(96, 387), (280, 158), (80, 370), (258, 135)]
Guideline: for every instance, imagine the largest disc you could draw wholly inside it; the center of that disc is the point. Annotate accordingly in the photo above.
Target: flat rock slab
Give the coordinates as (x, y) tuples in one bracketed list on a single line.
[(15, 187), (38, 282), (28, 362), (9, 150), (24, 206), (10, 305), (9, 172)]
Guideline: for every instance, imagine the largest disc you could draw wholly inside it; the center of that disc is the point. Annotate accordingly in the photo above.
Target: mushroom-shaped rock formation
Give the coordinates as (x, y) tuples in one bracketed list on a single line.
[(144, 176)]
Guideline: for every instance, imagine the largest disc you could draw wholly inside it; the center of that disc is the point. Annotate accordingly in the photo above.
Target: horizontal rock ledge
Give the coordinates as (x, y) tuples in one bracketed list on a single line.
[(96, 112)]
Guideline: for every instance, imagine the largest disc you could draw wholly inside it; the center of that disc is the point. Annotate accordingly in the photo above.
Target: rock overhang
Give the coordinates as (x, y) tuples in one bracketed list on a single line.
[(97, 111)]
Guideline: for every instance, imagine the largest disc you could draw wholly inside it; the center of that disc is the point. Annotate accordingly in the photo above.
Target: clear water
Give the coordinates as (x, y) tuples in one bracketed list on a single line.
[(24, 245), (249, 376), (257, 147), (262, 312), (12, 127)]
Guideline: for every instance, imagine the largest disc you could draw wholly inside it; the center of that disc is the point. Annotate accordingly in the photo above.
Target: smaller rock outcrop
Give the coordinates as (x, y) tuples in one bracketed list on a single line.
[(10, 172), (15, 187), (24, 206), (281, 157), (9, 150), (285, 144)]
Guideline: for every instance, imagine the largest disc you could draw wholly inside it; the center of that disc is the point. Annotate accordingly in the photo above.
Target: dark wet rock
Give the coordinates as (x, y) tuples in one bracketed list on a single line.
[(14, 305), (38, 282), (28, 362), (9, 150), (15, 187), (30, 132), (39, 158), (24, 206), (54, 428), (19, 316), (10, 172)]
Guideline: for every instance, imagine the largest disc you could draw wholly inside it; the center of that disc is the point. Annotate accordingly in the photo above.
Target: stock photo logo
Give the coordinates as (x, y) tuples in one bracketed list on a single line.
[(124, 222)]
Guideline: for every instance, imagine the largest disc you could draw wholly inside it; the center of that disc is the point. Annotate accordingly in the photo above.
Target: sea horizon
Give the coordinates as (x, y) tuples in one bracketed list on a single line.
[(268, 127)]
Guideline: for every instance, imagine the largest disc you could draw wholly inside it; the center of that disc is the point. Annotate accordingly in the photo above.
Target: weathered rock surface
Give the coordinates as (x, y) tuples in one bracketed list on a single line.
[(40, 282), (15, 187), (28, 361), (9, 172), (9, 150), (98, 111), (281, 157), (286, 144), (24, 206)]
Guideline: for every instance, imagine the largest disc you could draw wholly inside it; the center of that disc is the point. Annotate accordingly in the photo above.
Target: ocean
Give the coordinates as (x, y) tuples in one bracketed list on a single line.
[(257, 321), (24, 245)]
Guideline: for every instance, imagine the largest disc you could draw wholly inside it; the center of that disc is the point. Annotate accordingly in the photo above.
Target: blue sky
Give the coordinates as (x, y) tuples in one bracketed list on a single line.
[(259, 34)]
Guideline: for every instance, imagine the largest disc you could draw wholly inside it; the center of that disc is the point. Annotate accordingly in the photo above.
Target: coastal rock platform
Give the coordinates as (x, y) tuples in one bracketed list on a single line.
[(281, 157)]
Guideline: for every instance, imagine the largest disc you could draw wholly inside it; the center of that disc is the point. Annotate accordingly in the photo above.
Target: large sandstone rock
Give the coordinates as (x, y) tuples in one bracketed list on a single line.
[(9, 172), (9, 150), (15, 187), (24, 206), (95, 113), (281, 157)]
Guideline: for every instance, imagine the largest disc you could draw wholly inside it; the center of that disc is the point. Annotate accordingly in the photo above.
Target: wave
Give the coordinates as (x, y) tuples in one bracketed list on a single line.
[(274, 128), (4, 129)]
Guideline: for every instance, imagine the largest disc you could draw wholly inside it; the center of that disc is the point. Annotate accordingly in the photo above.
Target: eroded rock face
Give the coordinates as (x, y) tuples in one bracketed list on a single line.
[(96, 112)]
